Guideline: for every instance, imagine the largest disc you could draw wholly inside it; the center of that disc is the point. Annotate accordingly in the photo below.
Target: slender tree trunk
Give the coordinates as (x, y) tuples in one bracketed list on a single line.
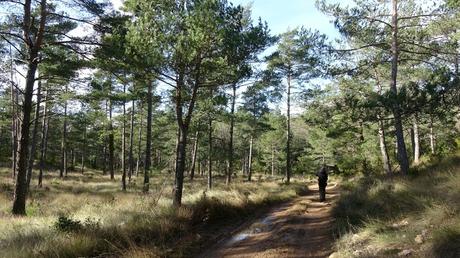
[(83, 152), (432, 137), (416, 142), (104, 149), (14, 120), (273, 161), (63, 171), (148, 145), (251, 143), (44, 140), (402, 153), (104, 159), (232, 126), (72, 158), (139, 145), (412, 139), (123, 145), (243, 165), (210, 154), (33, 45), (34, 136), (362, 139), (382, 134), (183, 125), (288, 131), (456, 60), (194, 155), (20, 193), (384, 149), (131, 143), (180, 165), (111, 144)]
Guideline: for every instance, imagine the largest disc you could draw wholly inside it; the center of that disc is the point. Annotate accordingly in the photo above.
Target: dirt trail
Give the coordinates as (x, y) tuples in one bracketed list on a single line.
[(299, 228)]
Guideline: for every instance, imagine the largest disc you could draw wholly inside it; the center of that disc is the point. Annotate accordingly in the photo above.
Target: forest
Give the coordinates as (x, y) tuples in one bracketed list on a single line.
[(189, 128)]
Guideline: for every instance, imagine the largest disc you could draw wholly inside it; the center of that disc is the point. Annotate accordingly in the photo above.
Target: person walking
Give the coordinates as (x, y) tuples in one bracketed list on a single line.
[(322, 183)]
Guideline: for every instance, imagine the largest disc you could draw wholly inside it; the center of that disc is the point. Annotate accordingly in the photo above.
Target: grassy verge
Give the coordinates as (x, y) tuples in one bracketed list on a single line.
[(416, 216), (87, 216)]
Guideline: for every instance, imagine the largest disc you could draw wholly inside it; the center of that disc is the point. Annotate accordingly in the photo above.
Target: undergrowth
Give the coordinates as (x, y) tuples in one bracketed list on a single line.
[(79, 217), (417, 215)]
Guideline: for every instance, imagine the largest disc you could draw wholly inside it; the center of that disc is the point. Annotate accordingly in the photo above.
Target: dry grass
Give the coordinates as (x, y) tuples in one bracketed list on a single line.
[(112, 223), (379, 217)]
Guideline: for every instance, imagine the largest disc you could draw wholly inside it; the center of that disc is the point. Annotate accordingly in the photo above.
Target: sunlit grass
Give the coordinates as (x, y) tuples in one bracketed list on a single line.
[(381, 217), (129, 224)]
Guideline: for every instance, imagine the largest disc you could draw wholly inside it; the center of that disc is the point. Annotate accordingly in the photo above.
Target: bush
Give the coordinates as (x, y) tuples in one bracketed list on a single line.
[(65, 224)]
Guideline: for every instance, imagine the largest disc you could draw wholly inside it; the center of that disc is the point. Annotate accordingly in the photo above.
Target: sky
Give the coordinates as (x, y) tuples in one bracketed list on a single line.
[(282, 15)]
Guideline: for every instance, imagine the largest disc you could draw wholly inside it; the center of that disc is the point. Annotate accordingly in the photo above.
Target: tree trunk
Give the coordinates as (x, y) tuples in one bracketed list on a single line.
[(183, 125), (83, 152), (20, 193), (210, 154), (14, 121), (194, 155), (63, 171), (416, 142), (251, 143), (111, 144), (44, 140), (72, 158), (104, 149), (273, 161), (139, 146), (131, 143), (34, 136), (104, 159), (412, 139), (123, 144), (180, 166), (288, 131), (148, 145), (432, 137), (384, 149), (232, 126), (33, 45), (243, 165), (402, 153), (362, 139)]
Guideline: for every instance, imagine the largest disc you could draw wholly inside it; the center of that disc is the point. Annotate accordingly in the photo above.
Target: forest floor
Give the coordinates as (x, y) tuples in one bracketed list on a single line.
[(302, 227), (87, 215), (401, 216)]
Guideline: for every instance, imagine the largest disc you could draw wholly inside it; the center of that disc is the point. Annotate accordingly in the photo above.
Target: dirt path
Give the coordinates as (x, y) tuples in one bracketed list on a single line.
[(299, 228)]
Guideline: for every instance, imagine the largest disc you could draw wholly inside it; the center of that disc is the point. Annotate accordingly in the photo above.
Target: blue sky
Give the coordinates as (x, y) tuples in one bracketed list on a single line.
[(284, 14)]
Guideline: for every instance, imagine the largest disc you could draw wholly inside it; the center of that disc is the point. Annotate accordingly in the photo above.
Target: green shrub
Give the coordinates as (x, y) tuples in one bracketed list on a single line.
[(65, 224)]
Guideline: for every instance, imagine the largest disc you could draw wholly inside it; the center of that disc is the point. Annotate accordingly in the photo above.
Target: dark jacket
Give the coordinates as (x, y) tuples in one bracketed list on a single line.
[(322, 177)]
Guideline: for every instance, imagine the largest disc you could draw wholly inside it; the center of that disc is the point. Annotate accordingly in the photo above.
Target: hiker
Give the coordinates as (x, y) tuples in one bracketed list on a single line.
[(322, 183)]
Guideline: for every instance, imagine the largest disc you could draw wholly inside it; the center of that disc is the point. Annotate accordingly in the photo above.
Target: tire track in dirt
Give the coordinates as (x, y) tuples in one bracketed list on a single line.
[(299, 228)]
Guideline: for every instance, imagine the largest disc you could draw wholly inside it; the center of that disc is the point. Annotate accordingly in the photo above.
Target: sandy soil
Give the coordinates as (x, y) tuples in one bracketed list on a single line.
[(299, 228)]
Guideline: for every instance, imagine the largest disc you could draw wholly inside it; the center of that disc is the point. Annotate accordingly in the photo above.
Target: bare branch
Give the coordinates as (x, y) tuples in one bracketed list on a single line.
[(361, 47), (418, 16), (73, 19), (3, 33), (378, 20)]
